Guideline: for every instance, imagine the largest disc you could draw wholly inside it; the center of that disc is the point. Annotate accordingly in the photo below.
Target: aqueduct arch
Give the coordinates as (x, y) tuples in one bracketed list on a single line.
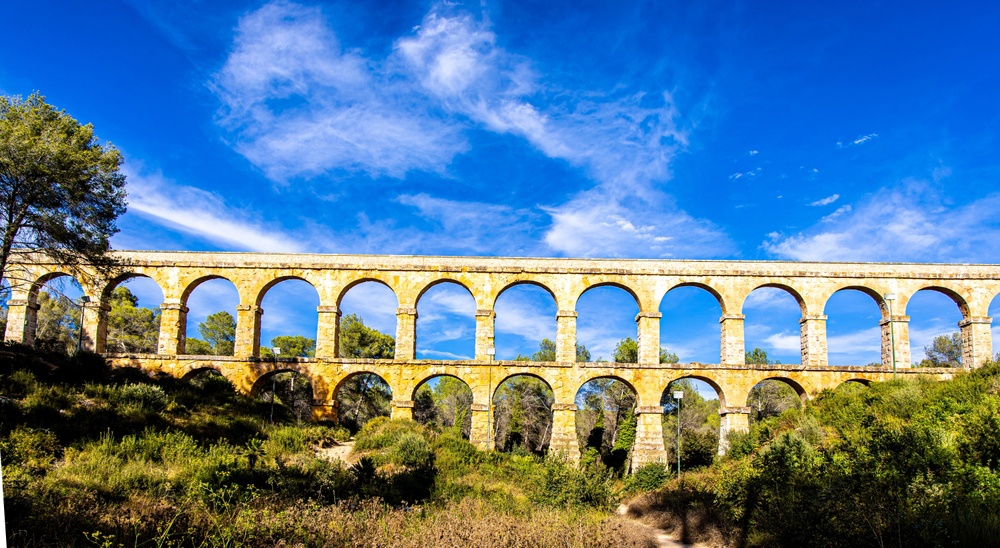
[(972, 287)]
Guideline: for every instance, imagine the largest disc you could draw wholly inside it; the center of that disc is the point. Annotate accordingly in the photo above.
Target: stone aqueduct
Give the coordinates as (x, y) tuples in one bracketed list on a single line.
[(971, 287)]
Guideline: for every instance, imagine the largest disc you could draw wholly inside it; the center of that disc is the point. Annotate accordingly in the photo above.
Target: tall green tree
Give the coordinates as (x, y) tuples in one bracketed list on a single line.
[(57, 325), (61, 190), (944, 351), (547, 353), (699, 421), (522, 414), (364, 396), (218, 336), (447, 404), (131, 328), (627, 351), (291, 346)]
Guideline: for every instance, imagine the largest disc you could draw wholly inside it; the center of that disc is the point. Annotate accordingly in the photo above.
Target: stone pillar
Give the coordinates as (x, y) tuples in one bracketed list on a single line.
[(813, 340), (977, 341), (733, 419), (897, 328), (324, 410), (327, 332), (401, 409), (485, 322), (173, 329), (95, 326), (480, 434), (648, 445), (406, 333), (732, 350), (247, 331), (566, 336), (649, 337), (563, 441), (21, 318)]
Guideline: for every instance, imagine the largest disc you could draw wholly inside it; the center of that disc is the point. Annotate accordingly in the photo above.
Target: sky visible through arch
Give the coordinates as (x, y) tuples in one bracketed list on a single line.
[(853, 131)]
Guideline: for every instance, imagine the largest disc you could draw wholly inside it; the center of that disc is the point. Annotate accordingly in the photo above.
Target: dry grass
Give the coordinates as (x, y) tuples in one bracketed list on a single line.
[(683, 509)]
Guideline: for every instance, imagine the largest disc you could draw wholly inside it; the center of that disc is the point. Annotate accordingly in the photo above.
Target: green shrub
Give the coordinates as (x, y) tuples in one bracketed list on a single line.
[(647, 477)]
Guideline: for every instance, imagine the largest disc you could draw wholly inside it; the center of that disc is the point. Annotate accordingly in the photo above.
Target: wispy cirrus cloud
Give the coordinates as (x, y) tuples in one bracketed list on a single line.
[(909, 223), (826, 201), (859, 141), (595, 224), (203, 214), (297, 105)]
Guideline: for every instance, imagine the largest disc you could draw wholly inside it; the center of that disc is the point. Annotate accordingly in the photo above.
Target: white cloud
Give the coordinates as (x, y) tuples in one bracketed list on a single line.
[(203, 214), (859, 141), (298, 105), (784, 342), (840, 212), (753, 153), (596, 224), (911, 223), (826, 201)]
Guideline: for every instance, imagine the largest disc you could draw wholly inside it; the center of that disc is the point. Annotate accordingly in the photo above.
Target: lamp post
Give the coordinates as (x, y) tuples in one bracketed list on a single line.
[(79, 336), (678, 395), (274, 379), (889, 297)]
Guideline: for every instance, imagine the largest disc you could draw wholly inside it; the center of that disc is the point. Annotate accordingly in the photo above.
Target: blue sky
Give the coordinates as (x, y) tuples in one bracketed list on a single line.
[(851, 131)]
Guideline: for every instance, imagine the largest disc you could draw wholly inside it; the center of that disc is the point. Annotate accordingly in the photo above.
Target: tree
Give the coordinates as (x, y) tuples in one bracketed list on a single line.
[(360, 341), (522, 414), (61, 191), (547, 353), (218, 336), (292, 346), (131, 328), (700, 423), (364, 396), (944, 351), (758, 356), (57, 324), (627, 351)]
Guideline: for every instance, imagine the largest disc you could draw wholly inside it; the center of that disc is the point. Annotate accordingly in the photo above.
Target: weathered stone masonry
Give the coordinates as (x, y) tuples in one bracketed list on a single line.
[(971, 287)]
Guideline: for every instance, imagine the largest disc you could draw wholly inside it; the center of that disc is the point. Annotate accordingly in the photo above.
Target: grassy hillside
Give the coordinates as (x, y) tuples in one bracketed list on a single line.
[(903, 463), (93, 456)]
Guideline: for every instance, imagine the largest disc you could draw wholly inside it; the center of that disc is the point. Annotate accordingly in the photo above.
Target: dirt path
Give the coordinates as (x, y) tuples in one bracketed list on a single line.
[(338, 452), (663, 538)]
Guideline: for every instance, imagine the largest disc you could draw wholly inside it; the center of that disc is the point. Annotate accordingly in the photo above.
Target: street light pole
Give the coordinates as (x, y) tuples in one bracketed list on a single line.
[(889, 297), (678, 395)]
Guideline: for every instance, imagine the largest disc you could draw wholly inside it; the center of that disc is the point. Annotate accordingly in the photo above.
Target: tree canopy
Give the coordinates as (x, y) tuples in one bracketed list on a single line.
[(547, 353), (218, 336), (944, 351), (61, 190), (627, 351), (131, 328)]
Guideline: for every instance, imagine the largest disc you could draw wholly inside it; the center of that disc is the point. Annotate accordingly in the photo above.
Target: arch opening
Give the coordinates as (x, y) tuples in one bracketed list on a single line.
[(206, 384), (771, 329), (692, 424), (360, 398), (367, 321), (289, 320), (133, 317), (525, 324), (935, 338), (606, 421), (853, 333), (444, 401), (522, 414), (446, 322), (689, 328), (211, 317), (606, 327), (287, 393), (59, 314), (772, 397)]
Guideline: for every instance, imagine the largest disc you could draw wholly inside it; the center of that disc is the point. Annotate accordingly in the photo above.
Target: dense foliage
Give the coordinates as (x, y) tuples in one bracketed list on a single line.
[(902, 463), (61, 189), (114, 457)]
